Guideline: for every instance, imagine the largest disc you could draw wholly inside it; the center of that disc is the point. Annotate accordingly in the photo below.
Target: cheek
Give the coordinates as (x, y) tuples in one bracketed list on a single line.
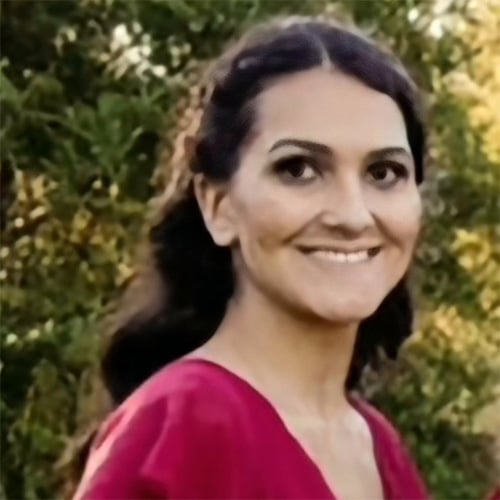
[(402, 218), (269, 219)]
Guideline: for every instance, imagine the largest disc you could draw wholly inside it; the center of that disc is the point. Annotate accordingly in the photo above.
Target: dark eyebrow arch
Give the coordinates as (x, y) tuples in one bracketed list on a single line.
[(384, 153), (315, 147)]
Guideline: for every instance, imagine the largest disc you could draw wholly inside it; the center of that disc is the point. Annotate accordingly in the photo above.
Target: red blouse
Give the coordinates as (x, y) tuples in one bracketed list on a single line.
[(197, 430)]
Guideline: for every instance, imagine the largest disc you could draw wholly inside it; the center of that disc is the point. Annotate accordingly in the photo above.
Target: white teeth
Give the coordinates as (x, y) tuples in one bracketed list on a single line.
[(342, 258), (354, 258)]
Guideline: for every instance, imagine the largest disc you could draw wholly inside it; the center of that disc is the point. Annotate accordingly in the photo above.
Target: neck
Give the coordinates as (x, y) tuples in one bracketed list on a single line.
[(301, 364)]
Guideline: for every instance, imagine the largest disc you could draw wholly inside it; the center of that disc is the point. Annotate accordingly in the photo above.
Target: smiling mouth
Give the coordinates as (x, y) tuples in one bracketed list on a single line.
[(339, 257)]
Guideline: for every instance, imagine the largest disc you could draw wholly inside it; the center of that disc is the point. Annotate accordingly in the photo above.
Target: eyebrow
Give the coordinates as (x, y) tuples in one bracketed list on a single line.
[(383, 153), (316, 147)]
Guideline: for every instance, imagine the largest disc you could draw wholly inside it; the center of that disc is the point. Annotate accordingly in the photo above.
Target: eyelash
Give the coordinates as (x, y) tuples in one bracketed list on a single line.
[(399, 170), (284, 166)]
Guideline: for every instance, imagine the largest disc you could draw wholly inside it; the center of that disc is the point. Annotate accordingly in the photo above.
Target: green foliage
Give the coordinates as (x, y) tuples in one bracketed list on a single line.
[(88, 88)]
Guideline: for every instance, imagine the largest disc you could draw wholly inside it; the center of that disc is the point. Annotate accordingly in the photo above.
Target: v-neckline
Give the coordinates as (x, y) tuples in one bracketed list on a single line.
[(357, 406)]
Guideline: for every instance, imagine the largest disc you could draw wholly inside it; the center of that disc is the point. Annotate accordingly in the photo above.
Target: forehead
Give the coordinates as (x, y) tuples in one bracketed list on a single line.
[(325, 105)]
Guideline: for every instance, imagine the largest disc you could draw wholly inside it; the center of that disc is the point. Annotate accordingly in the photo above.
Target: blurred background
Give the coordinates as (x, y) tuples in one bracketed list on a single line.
[(93, 95)]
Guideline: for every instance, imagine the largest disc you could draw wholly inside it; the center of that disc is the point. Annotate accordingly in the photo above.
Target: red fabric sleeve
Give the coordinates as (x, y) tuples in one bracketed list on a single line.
[(186, 445), (202, 451), (121, 447)]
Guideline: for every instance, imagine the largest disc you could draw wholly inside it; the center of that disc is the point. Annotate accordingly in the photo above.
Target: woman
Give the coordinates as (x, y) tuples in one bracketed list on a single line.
[(278, 272)]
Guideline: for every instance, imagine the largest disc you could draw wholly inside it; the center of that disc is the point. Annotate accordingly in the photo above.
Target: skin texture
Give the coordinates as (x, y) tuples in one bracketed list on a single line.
[(290, 328)]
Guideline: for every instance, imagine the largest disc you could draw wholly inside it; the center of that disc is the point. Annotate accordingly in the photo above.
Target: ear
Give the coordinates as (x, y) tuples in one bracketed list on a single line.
[(216, 209)]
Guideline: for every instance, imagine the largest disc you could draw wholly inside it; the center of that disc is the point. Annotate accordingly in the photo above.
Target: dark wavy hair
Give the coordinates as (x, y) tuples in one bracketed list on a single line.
[(179, 297)]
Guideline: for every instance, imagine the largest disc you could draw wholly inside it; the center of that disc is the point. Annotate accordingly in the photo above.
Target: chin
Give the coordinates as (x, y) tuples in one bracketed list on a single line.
[(353, 311)]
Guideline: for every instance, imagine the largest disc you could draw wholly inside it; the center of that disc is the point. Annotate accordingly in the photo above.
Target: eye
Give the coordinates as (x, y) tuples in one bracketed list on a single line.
[(385, 174), (297, 168)]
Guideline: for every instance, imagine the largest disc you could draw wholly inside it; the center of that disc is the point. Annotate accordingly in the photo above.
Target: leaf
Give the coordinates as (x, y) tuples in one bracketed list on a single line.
[(8, 91)]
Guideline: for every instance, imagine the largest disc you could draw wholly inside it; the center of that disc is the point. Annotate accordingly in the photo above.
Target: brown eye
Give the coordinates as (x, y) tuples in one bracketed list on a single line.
[(386, 174), (296, 168)]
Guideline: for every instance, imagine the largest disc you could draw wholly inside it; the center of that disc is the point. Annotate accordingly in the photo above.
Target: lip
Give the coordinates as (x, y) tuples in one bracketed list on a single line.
[(371, 249)]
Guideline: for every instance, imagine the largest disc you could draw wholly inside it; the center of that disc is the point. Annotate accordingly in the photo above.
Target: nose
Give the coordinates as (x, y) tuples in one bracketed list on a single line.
[(346, 208)]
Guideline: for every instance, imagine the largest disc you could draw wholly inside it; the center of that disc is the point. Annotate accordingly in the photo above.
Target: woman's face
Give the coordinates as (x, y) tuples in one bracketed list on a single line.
[(323, 209)]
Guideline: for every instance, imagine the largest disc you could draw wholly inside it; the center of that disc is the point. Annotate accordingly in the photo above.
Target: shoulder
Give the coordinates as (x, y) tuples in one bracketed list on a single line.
[(191, 390), (187, 391), (166, 434)]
